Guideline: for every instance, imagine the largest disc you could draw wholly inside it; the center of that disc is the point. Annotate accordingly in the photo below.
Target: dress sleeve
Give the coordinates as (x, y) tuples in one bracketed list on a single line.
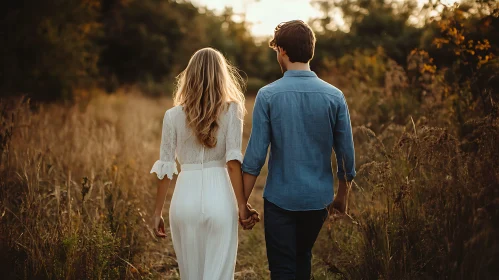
[(166, 164), (234, 134)]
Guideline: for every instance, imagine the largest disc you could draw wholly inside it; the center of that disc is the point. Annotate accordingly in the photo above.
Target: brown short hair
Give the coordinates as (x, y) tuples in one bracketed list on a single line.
[(296, 38)]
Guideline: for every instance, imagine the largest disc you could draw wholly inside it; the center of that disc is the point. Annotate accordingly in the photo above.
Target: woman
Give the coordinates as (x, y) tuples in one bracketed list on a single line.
[(204, 130)]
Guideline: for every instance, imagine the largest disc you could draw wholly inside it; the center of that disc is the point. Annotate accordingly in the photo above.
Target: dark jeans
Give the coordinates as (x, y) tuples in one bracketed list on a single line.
[(290, 236)]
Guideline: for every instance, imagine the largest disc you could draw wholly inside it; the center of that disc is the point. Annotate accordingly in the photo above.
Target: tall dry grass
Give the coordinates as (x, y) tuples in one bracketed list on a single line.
[(425, 208), (75, 188), (76, 195)]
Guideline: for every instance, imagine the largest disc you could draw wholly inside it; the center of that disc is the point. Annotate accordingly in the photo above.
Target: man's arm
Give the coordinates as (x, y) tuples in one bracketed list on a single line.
[(256, 152), (345, 155), (249, 181)]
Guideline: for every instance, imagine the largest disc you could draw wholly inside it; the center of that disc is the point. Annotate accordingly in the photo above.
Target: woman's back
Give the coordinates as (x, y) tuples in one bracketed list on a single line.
[(203, 209), (203, 132), (190, 151)]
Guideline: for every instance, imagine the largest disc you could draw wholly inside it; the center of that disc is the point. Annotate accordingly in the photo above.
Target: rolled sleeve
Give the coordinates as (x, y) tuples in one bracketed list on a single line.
[(343, 144), (256, 152), (250, 170)]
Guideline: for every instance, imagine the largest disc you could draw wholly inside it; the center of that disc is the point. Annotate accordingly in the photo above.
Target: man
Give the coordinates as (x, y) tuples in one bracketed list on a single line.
[(303, 119)]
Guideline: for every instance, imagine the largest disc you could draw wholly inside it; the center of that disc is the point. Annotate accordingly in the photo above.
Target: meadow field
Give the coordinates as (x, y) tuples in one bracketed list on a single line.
[(85, 85), (76, 198)]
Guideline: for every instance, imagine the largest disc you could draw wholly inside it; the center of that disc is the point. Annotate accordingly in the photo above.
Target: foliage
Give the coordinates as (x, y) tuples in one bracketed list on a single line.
[(62, 46), (47, 46), (471, 76), (370, 24)]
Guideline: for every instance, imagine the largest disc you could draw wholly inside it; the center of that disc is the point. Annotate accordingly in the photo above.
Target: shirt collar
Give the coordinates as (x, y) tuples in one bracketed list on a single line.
[(299, 73)]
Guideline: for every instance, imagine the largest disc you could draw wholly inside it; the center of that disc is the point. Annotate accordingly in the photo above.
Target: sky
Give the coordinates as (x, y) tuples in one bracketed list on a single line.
[(265, 15)]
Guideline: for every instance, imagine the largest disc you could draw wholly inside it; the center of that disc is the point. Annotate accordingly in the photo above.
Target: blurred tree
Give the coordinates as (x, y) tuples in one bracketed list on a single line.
[(47, 47), (53, 47), (464, 43), (152, 40), (142, 38), (369, 24)]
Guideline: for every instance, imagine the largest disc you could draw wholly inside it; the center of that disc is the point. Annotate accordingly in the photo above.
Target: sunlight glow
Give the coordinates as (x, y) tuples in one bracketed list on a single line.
[(265, 15)]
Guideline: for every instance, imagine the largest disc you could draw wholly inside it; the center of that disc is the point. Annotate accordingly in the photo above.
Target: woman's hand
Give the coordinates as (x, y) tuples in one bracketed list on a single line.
[(159, 227)]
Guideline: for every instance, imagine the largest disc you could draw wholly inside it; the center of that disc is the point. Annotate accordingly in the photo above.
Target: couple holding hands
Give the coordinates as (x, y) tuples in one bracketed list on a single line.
[(301, 117)]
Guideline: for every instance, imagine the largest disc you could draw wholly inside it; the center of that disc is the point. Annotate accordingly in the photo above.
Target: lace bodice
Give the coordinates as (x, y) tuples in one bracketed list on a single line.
[(178, 141)]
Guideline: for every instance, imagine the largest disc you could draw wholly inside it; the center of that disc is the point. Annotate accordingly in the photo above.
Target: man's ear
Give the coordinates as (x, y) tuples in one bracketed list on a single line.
[(281, 51)]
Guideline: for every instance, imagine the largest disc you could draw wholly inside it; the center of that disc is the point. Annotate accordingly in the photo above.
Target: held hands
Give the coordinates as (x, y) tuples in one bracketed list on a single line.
[(248, 216)]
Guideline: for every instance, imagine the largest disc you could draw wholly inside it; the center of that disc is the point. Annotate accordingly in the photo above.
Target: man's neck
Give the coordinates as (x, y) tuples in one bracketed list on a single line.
[(298, 66)]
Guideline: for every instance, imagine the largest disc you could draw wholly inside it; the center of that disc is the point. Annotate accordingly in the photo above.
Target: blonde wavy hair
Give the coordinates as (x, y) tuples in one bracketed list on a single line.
[(205, 89)]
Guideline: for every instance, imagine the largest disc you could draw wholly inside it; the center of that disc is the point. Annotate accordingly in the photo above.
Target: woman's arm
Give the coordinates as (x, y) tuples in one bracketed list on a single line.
[(234, 158), (164, 168), (247, 216), (236, 178), (161, 192), (159, 224)]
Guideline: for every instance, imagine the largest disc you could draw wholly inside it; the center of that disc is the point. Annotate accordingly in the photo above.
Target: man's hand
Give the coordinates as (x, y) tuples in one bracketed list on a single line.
[(340, 202), (339, 205), (248, 217)]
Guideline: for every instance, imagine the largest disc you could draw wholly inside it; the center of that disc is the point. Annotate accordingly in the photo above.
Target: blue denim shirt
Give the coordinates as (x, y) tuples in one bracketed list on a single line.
[(303, 119)]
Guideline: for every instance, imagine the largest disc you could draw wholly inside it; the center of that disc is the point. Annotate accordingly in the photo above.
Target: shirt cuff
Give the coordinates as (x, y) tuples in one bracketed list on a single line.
[(249, 170), (162, 168), (346, 176)]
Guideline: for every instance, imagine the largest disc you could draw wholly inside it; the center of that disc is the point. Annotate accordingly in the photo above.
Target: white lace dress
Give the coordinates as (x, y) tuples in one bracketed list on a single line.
[(203, 210)]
